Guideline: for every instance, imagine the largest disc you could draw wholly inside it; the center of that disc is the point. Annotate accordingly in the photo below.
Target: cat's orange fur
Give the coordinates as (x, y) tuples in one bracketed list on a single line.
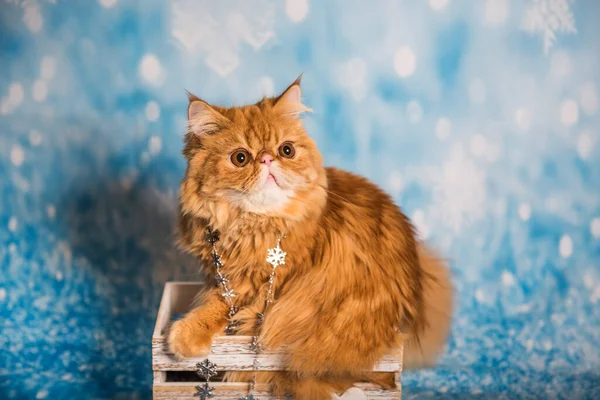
[(355, 284)]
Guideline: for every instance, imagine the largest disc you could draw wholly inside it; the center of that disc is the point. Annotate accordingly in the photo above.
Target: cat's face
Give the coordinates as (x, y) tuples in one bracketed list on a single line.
[(258, 157)]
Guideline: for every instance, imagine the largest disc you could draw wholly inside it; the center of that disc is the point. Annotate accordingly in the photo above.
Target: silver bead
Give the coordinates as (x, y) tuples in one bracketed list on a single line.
[(260, 318), (255, 346), (232, 327)]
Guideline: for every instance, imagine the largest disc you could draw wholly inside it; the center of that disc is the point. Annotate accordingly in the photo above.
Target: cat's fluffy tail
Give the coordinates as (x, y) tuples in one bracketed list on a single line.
[(439, 303)]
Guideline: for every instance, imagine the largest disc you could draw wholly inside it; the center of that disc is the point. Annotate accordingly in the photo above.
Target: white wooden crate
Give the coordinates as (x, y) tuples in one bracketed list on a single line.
[(228, 353)]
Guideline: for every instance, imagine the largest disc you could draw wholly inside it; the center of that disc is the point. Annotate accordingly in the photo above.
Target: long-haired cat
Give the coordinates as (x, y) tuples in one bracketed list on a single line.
[(356, 282)]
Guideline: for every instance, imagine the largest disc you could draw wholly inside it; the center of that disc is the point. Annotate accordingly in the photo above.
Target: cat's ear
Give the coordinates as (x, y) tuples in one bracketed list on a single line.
[(289, 103), (203, 119)]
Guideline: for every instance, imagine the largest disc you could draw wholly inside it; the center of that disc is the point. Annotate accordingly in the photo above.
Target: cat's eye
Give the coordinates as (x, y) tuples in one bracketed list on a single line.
[(240, 158), (287, 150)]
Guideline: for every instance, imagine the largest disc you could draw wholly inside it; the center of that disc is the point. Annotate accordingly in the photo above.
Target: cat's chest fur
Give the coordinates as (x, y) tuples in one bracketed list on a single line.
[(243, 248)]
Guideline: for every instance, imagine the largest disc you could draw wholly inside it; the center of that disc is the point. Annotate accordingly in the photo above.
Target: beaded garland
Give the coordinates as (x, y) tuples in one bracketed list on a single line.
[(275, 257)]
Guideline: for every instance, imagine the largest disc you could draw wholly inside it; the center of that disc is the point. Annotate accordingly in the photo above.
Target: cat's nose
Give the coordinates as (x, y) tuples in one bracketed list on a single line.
[(266, 159)]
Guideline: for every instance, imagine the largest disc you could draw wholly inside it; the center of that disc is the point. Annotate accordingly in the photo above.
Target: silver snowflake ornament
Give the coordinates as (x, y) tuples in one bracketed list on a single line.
[(276, 256), (204, 392), (228, 294), (217, 260), (248, 397), (221, 280), (212, 237), (206, 369)]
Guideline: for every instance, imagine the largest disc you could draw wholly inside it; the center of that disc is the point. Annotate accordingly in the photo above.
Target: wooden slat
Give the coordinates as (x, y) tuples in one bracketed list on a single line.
[(398, 374), (233, 353), (159, 377), (233, 391), (177, 298), (164, 311)]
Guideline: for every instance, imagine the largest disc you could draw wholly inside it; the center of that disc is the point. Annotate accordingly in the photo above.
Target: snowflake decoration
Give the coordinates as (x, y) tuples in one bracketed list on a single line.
[(217, 35), (459, 191), (204, 392), (276, 256), (228, 294), (206, 369), (212, 237), (248, 397), (221, 280), (217, 260), (547, 17)]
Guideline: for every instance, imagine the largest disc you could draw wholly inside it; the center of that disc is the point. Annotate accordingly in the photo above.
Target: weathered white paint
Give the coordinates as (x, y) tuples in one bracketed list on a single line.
[(234, 390)]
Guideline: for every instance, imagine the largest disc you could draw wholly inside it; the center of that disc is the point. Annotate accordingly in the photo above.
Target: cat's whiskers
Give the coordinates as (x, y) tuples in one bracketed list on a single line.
[(341, 197), (239, 195)]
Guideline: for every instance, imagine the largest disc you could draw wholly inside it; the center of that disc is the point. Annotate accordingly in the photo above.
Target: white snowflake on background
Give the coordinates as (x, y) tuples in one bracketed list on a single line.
[(547, 18), (459, 192), (206, 28), (352, 76)]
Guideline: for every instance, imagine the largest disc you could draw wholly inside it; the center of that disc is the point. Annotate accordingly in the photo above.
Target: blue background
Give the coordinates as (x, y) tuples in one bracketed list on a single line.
[(480, 118)]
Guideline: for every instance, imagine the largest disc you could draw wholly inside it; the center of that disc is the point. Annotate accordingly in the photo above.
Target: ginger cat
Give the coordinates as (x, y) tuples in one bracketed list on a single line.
[(356, 282)]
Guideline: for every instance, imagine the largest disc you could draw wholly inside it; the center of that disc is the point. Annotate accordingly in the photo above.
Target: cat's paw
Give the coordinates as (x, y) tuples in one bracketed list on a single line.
[(188, 339)]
